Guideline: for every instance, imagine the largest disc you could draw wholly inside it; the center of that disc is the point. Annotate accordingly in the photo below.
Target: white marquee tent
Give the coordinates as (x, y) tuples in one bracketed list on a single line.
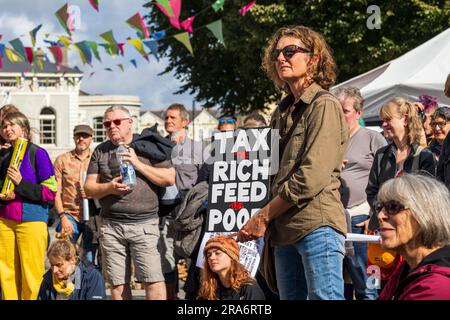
[(422, 70)]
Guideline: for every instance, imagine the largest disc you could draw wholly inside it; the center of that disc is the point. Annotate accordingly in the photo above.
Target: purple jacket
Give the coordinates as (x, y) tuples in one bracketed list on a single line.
[(430, 280)]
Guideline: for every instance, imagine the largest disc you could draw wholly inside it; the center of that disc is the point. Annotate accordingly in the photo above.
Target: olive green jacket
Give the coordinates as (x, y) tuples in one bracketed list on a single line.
[(310, 166)]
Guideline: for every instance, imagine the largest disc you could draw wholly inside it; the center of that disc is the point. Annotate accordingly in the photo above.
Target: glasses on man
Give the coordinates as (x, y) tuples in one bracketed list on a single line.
[(440, 123), (117, 122), (390, 207), (288, 51), (226, 120)]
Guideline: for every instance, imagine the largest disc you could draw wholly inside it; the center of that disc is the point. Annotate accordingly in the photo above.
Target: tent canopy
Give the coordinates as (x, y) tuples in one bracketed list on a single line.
[(422, 70)]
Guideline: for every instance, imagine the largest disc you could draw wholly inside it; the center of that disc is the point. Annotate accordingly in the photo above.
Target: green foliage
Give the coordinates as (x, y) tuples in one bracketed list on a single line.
[(230, 76)]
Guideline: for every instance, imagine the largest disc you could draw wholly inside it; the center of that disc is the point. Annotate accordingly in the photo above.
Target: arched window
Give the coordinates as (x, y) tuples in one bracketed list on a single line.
[(47, 126), (99, 130)]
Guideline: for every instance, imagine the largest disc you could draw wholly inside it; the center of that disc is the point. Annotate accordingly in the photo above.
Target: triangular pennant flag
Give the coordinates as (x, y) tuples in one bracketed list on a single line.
[(184, 39), (57, 54), (40, 64), (13, 56), (187, 24), (94, 47), (138, 23), (85, 52), (109, 37), (243, 11), (94, 4), (176, 9), (121, 46), (18, 47), (52, 43), (137, 44), (159, 35), (153, 46), (218, 5), (33, 34), (2, 54), (65, 18), (108, 49), (30, 54), (121, 67), (167, 7), (133, 61), (108, 69), (66, 41), (216, 29), (91, 74)]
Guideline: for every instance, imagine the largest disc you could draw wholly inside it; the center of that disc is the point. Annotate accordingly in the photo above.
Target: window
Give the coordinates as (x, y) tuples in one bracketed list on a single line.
[(99, 131), (47, 126)]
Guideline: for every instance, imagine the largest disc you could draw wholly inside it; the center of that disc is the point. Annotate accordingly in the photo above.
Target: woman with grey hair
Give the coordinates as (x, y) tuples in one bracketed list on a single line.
[(413, 212)]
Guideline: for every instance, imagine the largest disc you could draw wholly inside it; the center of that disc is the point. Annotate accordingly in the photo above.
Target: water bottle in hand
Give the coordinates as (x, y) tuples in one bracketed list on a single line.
[(126, 168)]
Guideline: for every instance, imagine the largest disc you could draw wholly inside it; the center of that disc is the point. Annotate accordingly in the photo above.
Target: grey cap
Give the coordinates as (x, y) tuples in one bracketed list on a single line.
[(83, 128)]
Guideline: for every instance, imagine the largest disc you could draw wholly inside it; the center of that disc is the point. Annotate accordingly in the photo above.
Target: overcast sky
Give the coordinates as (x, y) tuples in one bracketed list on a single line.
[(18, 17)]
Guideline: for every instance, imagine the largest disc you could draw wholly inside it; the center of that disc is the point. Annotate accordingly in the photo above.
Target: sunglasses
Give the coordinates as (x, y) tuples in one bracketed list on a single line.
[(117, 122), (226, 120), (288, 52), (390, 207)]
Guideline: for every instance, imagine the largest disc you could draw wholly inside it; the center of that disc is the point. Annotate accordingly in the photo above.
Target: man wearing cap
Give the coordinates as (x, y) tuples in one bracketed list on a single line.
[(69, 167)]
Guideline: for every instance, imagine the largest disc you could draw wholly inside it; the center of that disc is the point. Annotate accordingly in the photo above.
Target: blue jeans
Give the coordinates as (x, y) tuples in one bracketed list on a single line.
[(89, 250), (312, 267), (357, 264)]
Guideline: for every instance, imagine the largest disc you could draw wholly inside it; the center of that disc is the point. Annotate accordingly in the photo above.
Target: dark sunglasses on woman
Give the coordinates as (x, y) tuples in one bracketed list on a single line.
[(288, 51), (390, 207)]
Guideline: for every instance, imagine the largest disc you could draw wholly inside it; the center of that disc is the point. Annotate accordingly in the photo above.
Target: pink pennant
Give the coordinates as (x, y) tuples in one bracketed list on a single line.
[(243, 11), (187, 24), (176, 9), (120, 45), (57, 54)]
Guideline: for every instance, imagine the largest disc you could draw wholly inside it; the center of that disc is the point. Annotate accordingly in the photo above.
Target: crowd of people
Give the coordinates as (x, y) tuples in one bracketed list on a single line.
[(335, 177)]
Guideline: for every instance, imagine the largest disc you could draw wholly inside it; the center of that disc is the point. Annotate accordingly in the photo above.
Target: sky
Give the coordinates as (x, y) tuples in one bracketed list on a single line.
[(18, 17)]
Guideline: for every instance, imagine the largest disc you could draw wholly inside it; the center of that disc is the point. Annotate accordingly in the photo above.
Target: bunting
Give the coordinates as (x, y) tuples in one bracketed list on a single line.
[(121, 67), (187, 24), (18, 47), (153, 46), (2, 54), (138, 23), (30, 54), (94, 47), (167, 7), (108, 69), (94, 4), (184, 39), (109, 37), (84, 51), (57, 54), (243, 11), (137, 44), (66, 41), (218, 5), (12, 56), (65, 19), (33, 34), (159, 35), (216, 28), (134, 63), (176, 8)]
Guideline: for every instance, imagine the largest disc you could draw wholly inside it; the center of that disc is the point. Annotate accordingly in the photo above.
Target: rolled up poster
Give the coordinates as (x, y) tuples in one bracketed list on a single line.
[(355, 237), (18, 153), (85, 200)]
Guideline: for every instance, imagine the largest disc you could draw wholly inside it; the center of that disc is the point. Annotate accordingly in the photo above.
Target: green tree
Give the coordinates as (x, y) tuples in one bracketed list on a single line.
[(230, 76)]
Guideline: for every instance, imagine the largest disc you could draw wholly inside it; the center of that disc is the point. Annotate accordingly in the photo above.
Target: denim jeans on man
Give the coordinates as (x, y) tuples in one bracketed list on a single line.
[(357, 264), (89, 250), (312, 267)]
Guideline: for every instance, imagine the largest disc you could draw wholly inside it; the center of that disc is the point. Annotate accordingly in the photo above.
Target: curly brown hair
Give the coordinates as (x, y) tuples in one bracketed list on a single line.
[(209, 282), (323, 72)]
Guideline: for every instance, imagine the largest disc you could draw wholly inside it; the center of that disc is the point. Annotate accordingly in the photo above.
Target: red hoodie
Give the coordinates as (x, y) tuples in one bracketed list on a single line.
[(430, 280)]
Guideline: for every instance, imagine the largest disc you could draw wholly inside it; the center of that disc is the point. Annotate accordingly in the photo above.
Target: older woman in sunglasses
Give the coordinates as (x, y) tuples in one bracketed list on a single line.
[(413, 213), (304, 223), (440, 125), (403, 127)]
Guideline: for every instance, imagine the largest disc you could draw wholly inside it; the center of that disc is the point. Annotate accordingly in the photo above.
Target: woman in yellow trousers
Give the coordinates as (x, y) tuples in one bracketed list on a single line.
[(24, 213)]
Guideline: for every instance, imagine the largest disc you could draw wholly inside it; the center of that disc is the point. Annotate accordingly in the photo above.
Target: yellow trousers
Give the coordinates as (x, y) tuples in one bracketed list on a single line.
[(22, 251)]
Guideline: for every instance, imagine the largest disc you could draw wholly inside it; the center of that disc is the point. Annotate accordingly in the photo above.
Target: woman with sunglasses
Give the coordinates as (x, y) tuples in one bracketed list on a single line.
[(413, 213), (440, 125), (403, 127), (304, 223)]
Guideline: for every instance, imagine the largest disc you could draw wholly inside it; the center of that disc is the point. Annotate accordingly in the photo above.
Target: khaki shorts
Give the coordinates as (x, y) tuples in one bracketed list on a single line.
[(120, 243)]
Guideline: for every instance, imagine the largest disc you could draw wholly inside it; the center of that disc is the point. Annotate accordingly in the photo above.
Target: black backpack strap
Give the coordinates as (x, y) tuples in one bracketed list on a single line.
[(32, 148)]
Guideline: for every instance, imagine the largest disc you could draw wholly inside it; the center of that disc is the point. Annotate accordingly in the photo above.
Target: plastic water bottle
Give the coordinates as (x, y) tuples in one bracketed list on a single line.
[(126, 168)]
